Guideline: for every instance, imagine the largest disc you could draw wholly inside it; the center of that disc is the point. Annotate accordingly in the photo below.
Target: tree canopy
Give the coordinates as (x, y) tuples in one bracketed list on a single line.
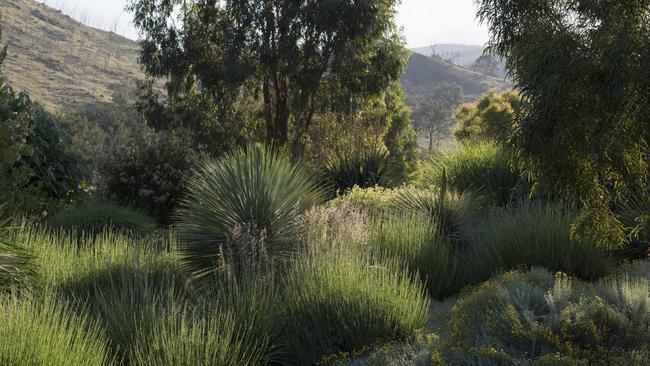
[(299, 57), (433, 114), (582, 67)]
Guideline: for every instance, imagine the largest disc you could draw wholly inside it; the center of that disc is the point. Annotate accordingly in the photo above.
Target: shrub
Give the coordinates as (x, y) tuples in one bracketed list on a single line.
[(48, 333), (95, 217), (532, 234), (148, 173), (536, 318), (482, 168), (39, 170), (372, 200), (244, 208), (334, 224), (339, 301)]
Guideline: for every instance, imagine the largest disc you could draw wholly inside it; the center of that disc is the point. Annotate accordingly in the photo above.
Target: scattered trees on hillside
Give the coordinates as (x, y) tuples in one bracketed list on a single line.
[(490, 118), (582, 65), (298, 58), (433, 115)]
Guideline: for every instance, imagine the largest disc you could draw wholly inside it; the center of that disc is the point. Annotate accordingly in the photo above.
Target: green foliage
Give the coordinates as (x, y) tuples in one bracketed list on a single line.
[(418, 242), (538, 319), (481, 168), (339, 301), (94, 217), (490, 118), (581, 66), (148, 173), (18, 269), (242, 208), (48, 333), (38, 169), (366, 171), (532, 234), (433, 115), (376, 126), (279, 52)]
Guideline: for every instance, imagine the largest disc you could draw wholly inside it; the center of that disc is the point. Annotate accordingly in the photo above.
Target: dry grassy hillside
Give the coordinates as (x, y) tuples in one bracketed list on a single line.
[(59, 61)]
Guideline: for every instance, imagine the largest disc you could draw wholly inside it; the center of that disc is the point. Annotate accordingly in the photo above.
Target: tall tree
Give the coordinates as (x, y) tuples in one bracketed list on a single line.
[(582, 66), (433, 115), (294, 54)]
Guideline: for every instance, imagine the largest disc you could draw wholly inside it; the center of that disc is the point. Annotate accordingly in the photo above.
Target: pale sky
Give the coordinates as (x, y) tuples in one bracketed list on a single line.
[(424, 22)]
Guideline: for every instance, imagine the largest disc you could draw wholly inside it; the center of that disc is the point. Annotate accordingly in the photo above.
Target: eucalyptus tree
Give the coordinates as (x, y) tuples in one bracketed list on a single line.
[(582, 66), (298, 56)]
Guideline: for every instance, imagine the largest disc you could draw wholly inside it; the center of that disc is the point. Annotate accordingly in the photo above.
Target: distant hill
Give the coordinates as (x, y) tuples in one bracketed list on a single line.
[(64, 64), (424, 73), (459, 54), (61, 62)]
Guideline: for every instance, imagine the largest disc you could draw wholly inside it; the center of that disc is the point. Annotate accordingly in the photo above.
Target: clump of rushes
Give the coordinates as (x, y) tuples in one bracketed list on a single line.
[(49, 333), (416, 240), (238, 323), (339, 301), (532, 234), (480, 168), (242, 209)]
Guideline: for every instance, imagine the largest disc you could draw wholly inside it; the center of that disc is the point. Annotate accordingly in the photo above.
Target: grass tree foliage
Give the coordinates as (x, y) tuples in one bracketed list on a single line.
[(243, 208), (582, 68)]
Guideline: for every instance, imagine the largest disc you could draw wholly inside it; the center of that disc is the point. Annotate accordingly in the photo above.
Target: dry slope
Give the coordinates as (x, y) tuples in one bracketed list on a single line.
[(59, 61)]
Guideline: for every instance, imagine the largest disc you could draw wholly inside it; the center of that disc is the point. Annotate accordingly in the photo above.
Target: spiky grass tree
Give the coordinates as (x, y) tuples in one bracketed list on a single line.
[(18, 270), (242, 209)]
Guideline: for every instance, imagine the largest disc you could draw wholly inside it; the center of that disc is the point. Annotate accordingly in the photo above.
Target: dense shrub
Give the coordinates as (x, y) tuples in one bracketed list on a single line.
[(244, 208), (417, 241), (95, 217), (148, 173), (39, 170), (491, 118), (482, 168), (532, 234), (339, 301), (48, 333), (538, 319)]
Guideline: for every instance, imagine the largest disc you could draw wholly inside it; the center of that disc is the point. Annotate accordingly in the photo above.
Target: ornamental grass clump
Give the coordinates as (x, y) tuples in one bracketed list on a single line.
[(480, 168), (243, 208), (531, 234), (340, 301), (416, 240), (49, 332)]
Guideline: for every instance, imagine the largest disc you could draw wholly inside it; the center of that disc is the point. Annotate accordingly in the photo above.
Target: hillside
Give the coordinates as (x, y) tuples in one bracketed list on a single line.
[(459, 54), (61, 62), (424, 73)]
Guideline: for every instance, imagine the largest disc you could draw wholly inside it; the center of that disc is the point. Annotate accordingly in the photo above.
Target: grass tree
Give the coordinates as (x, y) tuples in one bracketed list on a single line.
[(243, 208)]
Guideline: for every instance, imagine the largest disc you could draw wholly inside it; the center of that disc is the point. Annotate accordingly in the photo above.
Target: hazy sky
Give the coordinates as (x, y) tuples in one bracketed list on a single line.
[(424, 22)]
